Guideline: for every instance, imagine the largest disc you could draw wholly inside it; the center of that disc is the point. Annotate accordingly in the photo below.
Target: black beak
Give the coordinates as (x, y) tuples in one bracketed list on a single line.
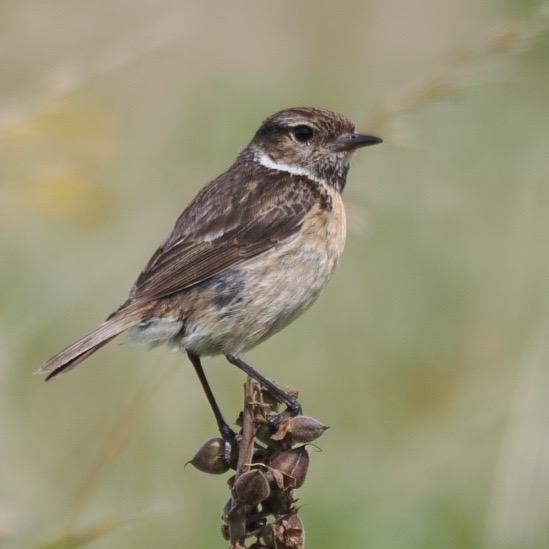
[(352, 141)]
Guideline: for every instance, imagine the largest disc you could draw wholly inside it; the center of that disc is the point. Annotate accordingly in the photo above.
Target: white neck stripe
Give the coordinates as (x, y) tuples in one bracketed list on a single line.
[(265, 160)]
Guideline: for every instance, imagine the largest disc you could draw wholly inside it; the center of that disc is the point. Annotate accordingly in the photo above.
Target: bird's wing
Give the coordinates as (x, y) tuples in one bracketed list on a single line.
[(229, 222)]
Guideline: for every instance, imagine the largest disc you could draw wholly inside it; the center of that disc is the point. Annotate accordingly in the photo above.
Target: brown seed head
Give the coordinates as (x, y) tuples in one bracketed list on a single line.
[(251, 488), (306, 429), (211, 457), (294, 464), (285, 533)]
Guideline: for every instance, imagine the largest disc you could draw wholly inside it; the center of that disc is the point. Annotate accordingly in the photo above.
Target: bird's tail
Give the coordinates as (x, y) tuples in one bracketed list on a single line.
[(74, 354)]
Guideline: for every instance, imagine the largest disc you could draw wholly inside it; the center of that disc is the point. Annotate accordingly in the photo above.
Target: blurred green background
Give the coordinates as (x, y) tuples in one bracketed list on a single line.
[(428, 352)]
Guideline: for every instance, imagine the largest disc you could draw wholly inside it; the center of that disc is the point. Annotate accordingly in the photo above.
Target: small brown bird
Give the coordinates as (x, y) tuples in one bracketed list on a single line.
[(249, 254)]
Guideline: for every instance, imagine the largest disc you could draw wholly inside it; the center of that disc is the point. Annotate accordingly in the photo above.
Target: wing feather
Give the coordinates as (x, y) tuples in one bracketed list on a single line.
[(266, 209)]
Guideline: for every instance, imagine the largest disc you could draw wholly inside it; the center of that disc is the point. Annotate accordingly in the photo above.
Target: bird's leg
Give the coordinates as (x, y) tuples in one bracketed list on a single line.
[(226, 432), (293, 405)]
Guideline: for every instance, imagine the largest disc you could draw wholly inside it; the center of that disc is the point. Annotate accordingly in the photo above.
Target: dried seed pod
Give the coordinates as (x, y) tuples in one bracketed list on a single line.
[(293, 463), (251, 487), (275, 478), (294, 532), (225, 531), (285, 533), (271, 534), (263, 433), (306, 429), (278, 503), (282, 429), (211, 457)]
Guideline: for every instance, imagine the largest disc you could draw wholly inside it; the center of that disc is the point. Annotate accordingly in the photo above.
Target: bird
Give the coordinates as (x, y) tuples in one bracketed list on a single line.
[(248, 255)]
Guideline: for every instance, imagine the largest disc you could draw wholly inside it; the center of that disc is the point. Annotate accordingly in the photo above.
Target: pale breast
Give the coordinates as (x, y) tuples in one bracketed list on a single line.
[(249, 303), (326, 228)]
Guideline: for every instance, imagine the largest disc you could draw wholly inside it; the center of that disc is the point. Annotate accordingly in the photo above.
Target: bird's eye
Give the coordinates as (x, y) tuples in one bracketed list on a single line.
[(303, 133)]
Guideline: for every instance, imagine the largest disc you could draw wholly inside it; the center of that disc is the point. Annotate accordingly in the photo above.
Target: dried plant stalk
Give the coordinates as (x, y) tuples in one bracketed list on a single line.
[(235, 518), (272, 461)]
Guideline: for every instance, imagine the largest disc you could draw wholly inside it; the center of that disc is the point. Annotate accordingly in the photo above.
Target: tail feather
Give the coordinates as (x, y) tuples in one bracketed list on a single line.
[(71, 356)]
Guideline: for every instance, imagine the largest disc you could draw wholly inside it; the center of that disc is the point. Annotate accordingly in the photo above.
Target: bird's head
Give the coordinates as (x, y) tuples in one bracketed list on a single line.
[(309, 141)]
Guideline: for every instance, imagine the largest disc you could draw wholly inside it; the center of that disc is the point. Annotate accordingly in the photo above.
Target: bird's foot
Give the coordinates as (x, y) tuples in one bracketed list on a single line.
[(293, 409)]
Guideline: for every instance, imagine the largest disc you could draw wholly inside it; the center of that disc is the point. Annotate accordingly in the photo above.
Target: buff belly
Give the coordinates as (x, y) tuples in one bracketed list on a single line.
[(243, 305)]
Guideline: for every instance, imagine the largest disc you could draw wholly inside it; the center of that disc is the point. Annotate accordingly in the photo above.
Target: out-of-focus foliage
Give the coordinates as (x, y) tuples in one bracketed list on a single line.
[(427, 354)]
